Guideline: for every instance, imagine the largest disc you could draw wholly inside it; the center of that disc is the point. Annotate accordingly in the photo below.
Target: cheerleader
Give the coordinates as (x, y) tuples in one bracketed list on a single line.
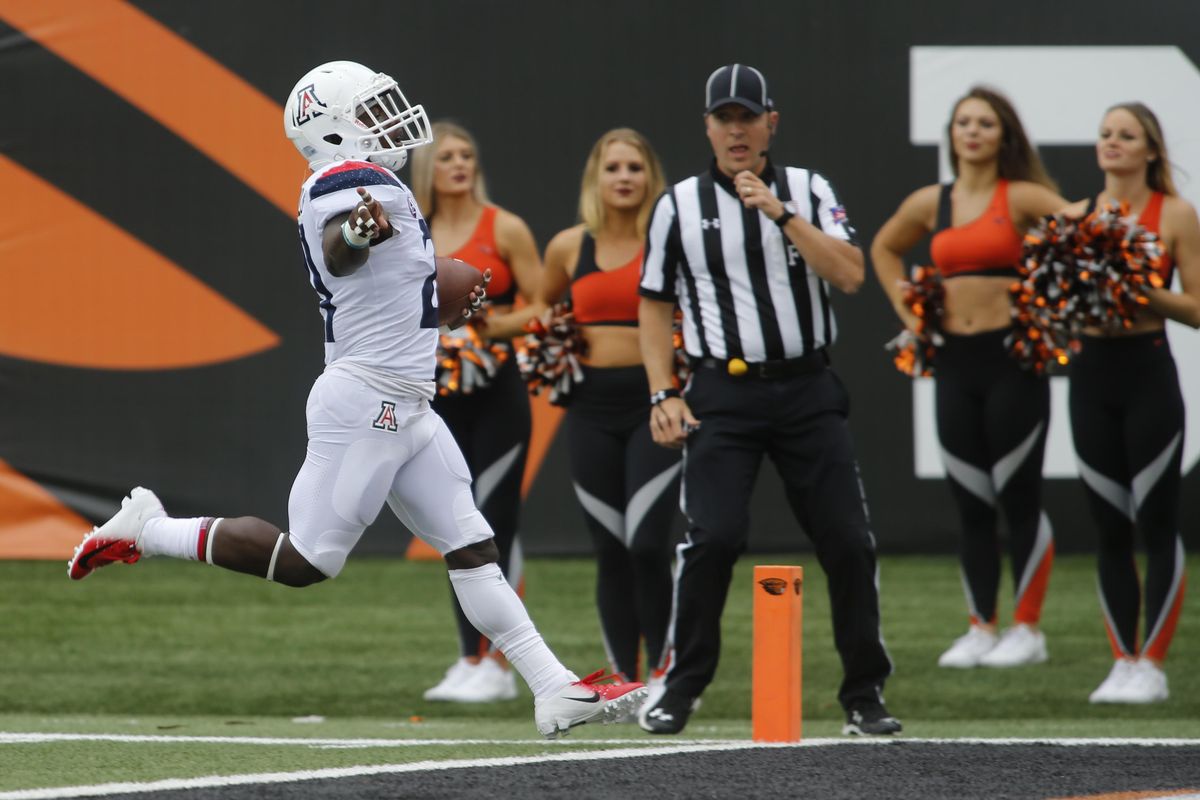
[(627, 486), (1127, 414), (992, 416)]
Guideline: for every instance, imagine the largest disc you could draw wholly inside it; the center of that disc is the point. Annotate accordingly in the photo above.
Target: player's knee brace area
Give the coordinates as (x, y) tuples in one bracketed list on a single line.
[(474, 555), (291, 567)]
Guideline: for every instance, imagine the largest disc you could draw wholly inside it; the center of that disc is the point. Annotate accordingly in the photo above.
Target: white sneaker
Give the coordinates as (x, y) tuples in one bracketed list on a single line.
[(968, 648), (587, 700), (488, 682), (1146, 684), (452, 683), (1110, 689), (119, 539), (1019, 645)]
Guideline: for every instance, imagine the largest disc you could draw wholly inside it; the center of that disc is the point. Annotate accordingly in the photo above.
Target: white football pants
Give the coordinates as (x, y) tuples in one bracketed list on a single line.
[(364, 449)]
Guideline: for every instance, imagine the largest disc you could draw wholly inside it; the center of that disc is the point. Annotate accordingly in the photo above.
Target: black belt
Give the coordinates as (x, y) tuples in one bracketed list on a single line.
[(816, 361)]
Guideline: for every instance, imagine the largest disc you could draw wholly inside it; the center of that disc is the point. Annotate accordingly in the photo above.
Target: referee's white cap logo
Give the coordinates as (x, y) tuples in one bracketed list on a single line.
[(737, 83)]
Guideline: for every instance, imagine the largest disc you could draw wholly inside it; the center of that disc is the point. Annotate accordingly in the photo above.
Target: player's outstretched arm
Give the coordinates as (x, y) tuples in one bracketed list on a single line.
[(347, 237)]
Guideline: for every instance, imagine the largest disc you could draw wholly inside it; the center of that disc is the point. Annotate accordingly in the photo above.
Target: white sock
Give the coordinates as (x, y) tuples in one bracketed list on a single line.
[(495, 610), (189, 539)]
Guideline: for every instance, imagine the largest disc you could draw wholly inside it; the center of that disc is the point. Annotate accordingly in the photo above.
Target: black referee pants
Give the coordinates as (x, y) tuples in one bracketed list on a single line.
[(800, 422)]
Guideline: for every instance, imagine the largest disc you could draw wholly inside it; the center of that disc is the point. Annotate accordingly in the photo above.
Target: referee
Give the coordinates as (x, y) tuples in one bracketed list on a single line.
[(749, 250)]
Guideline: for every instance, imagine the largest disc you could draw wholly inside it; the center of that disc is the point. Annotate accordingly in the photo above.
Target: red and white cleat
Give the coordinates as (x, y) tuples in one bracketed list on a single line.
[(598, 697), (117, 539)]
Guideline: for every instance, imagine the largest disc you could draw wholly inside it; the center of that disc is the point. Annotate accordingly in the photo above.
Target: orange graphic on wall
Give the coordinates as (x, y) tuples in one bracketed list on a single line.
[(36, 525), (106, 300), (185, 90)]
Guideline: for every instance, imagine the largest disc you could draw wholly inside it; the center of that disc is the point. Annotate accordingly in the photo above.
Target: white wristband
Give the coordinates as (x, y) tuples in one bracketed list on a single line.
[(352, 238)]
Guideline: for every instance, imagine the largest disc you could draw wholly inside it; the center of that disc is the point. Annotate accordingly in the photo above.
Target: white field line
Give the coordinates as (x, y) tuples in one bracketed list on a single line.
[(687, 746), (39, 738), (36, 738)]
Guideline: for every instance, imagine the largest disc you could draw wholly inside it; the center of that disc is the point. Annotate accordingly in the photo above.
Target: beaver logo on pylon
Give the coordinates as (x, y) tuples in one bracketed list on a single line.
[(778, 586), (773, 585)]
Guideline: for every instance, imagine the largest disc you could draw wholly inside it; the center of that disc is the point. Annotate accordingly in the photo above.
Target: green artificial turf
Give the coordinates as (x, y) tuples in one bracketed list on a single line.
[(172, 648)]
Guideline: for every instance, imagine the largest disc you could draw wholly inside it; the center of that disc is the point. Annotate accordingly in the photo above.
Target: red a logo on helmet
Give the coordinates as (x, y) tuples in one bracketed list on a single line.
[(308, 105)]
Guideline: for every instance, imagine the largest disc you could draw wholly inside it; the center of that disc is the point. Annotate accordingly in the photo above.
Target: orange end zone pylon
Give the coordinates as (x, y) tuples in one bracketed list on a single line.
[(778, 621)]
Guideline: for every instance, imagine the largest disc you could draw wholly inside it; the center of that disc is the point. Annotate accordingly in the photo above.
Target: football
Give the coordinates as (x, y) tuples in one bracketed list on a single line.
[(455, 282)]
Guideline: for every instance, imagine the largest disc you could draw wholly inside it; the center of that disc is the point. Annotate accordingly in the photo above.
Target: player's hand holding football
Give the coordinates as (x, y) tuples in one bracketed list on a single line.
[(476, 299), (479, 294)]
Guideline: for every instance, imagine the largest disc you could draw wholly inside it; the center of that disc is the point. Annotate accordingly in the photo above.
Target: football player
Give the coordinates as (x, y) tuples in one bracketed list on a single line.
[(372, 437)]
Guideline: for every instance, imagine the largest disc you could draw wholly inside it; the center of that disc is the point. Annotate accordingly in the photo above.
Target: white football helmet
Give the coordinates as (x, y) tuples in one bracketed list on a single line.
[(342, 110)]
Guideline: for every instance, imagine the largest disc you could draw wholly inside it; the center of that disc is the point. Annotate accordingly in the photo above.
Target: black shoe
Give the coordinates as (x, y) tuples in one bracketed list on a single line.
[(870, 719), (668, 715)]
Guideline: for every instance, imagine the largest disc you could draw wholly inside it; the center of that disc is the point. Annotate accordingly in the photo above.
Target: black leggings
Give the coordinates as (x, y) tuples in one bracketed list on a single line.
[(1127, 418), (492, 428), (991, 419), (629, 490)]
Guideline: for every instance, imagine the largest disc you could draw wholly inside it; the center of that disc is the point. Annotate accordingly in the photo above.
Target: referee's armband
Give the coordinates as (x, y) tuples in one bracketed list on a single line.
[(663, 394)]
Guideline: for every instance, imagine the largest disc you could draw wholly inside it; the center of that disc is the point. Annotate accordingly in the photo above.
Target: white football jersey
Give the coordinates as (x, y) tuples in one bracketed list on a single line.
[(384, 315)]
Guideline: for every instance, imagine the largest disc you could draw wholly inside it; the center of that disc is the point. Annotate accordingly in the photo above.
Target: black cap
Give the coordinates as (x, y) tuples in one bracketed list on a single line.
[(737, 83)]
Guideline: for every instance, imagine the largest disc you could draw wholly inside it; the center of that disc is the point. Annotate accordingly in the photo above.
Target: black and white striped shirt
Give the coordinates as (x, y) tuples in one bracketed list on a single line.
[(744, 289)]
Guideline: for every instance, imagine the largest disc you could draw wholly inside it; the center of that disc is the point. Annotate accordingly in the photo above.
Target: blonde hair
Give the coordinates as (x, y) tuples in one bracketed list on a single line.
[(1017, 160), (1158, 171), (591, 207), (423, 159)]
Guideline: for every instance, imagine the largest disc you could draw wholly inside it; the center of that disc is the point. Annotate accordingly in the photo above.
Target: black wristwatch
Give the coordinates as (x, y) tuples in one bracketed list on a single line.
[(663, 394), (783, 218)]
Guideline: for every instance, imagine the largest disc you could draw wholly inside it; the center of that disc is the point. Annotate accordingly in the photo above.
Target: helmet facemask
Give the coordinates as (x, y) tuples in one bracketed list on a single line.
[(391, 126)]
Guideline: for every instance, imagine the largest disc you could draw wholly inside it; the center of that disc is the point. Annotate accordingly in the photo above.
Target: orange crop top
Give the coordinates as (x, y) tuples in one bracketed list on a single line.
[(481, 252), (1151, 220), (604, 297), (988, 245)]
